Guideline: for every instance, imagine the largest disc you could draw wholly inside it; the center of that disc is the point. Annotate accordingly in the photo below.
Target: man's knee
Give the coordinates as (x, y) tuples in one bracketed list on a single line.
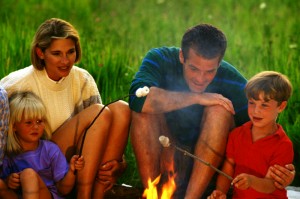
[(218, 113), (216, 110)]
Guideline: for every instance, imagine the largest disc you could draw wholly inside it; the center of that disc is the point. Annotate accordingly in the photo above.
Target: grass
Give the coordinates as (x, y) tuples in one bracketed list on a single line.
[(115, 35)]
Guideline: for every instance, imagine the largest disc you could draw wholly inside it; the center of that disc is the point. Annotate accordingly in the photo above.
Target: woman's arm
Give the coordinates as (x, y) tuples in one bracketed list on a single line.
[(110, 171)]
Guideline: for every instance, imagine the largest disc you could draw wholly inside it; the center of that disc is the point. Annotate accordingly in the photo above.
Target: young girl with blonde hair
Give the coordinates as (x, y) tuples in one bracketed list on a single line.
[(33, 166)]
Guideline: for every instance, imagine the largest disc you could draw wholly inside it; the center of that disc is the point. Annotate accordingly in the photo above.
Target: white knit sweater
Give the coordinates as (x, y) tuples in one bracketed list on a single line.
[(63, 99)]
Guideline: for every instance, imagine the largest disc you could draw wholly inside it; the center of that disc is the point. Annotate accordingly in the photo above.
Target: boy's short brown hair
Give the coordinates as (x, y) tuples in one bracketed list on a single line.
[(273, 85)]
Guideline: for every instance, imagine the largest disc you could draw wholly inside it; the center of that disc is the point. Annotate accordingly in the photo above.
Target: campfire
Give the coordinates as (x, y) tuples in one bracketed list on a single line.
[(162, 187), (152, 192), (167, 190)]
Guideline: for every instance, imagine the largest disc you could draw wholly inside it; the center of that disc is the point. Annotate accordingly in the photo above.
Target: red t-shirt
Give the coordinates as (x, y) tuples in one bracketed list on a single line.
[(256, 157)]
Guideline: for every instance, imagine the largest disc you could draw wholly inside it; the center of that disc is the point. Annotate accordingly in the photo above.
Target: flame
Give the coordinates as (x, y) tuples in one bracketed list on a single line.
[(151, 191), (167, 189)]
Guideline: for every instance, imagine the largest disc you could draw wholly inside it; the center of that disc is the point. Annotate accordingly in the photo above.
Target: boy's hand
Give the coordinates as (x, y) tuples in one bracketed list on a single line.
[(217, 194), (242, 181), (13, 181)]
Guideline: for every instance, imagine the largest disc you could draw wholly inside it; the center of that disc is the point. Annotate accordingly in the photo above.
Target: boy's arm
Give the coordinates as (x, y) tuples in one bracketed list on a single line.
[(223, 183), (66, 184), (263, 185)]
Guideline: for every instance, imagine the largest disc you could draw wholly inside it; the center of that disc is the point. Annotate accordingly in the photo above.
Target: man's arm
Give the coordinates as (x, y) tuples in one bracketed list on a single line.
[(282, 176), (160, 101)]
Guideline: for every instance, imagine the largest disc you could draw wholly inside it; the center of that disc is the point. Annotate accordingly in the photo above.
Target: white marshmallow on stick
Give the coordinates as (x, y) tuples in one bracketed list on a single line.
[(165, 142), (142, 92)]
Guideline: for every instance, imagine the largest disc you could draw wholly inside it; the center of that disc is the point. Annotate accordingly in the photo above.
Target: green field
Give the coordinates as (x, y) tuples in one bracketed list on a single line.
[(115, 35)]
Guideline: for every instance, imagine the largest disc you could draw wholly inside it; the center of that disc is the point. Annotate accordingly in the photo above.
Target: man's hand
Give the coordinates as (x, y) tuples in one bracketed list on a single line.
[(110, 171), (283, 176), (209, 99)]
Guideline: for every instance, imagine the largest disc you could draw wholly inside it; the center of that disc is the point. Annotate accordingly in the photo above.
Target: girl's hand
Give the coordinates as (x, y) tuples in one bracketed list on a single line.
[(13, 181), (217, 194), (77, 163)]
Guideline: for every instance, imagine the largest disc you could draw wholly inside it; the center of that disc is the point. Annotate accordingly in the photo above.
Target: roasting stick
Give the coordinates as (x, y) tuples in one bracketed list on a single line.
[(165, 143)]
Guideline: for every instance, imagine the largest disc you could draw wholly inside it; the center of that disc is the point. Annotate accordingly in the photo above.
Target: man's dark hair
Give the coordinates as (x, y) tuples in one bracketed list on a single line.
[(206, 40)]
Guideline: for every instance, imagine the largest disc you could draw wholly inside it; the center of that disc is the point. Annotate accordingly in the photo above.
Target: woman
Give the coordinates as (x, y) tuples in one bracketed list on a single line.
[(73, 102)]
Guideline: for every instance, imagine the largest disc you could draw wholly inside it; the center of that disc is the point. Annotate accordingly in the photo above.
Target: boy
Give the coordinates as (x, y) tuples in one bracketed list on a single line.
[(259, 143)]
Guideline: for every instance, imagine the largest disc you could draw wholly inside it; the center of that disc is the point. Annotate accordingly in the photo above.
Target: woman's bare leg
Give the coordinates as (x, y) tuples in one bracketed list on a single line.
[(70, 135), (117, 140)]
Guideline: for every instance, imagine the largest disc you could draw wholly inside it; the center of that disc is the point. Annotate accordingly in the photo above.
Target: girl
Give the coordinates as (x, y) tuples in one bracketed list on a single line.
[(33, 166)]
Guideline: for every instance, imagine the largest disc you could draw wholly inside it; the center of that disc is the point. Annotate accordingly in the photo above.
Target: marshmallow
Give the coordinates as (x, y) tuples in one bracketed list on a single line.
[(164, 141)]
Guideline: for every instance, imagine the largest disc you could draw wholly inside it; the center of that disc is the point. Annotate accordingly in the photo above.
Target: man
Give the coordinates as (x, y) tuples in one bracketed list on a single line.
[(195, 98)]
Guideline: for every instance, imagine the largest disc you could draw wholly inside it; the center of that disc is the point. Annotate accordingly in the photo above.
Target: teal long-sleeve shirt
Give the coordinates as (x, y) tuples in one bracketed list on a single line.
[(161, 68)]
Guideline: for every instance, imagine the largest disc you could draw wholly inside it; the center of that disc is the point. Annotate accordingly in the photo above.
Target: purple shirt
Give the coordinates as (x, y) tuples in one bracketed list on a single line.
[(47, 160)]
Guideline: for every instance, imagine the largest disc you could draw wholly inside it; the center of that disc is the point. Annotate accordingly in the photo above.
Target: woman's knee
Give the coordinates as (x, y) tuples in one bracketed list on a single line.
[(99, 110), (120, 106), (121, 109)]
